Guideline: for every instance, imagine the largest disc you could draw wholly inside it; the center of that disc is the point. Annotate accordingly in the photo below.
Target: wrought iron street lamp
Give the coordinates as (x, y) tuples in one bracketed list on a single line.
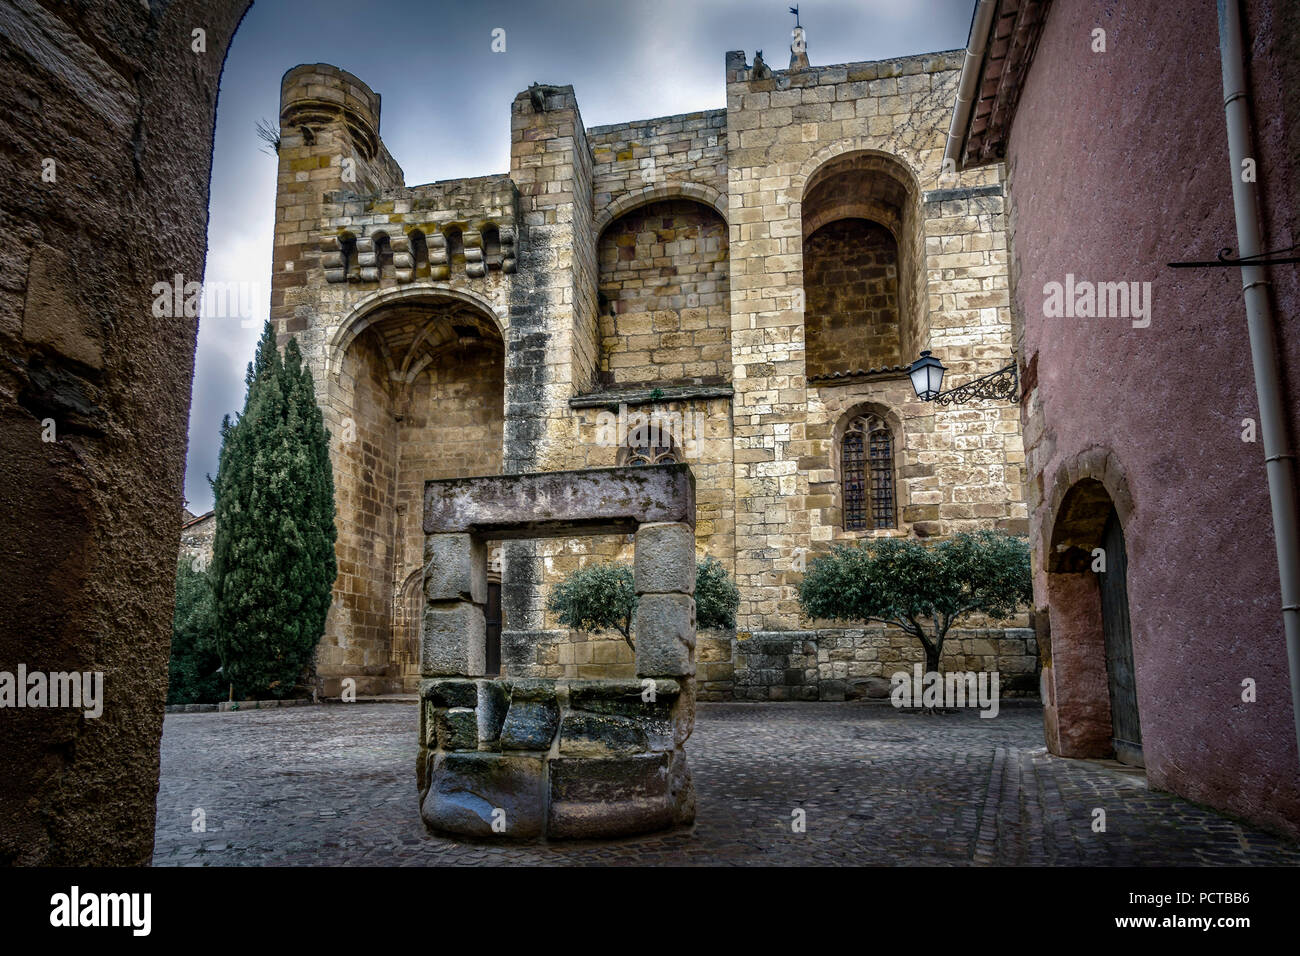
[(927, 381)]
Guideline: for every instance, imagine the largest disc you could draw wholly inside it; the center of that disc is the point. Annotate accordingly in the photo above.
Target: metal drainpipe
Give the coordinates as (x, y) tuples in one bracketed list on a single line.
[(1278, 459), (968, 81)]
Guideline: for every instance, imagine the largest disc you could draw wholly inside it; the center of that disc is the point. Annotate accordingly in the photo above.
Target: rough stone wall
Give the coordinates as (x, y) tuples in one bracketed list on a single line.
[(452, 429), (848, 663), (378, 281), (327, 118), (553, 349), (663, 276), (1204, 608), (90, 519), (851, 286), (196, 539), (357, 629), (633, 160), (584, 655)]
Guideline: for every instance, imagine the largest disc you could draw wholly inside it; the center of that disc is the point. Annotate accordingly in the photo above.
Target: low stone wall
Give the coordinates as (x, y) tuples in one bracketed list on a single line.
[(849, 664), (228, 705)]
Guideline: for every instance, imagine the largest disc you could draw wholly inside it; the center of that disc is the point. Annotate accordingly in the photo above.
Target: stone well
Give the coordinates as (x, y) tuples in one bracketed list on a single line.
[(531, 757)]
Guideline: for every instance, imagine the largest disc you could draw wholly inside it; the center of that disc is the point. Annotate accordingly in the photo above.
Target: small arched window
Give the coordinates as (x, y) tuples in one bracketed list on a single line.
[(650, 455), (351, 262), (867, 475), (492, 247), (419, 252), (455, 249), (384, 255)]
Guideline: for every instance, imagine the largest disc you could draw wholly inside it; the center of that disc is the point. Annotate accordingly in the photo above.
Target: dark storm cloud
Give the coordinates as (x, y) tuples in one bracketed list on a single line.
[(446, 100)]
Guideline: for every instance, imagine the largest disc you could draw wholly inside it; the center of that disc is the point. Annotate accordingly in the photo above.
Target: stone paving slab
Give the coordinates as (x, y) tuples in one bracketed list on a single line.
[(336, 786)]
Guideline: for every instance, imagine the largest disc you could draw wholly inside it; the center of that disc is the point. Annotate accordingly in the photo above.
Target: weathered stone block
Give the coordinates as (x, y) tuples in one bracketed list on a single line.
[(830, 690), (665, 559), (531, 688), (651, 706), (466, 788), (457, 729), (455, 567), (621, 696), (519, 648), (867, 688), (532, 719), (665, 635), (449, 692), (592, 500), (453, 639), (681, 789), (493, 703), (683, 716), (609, 797), (601, 735), (428, 724)]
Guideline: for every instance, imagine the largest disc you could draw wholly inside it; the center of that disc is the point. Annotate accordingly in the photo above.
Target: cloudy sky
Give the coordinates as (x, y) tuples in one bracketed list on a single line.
[(446, 106)]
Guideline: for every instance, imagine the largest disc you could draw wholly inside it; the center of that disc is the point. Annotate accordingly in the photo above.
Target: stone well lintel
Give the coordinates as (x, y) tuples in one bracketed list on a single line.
[(560, 503)]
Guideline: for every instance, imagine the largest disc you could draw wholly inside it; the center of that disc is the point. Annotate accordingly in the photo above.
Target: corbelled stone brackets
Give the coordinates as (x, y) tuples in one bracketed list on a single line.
[(526, 758)]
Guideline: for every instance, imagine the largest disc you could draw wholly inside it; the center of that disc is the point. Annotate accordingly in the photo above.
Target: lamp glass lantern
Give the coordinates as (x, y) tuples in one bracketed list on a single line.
[(927, 376)]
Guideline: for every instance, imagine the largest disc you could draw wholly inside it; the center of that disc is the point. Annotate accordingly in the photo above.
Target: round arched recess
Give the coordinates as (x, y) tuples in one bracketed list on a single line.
[(699, 192), (663, 291), (863, 261), (416, 391), (372, 307)]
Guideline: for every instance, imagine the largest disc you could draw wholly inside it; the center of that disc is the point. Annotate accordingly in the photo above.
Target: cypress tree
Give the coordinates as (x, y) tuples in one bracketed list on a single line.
[(273, 563), (192, 674)]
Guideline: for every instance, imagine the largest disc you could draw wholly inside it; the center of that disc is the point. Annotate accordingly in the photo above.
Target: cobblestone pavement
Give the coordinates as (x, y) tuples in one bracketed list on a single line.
[(336, 785)]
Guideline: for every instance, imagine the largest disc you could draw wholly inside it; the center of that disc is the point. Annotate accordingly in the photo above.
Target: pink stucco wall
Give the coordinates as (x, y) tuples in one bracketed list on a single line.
[(1118, 164)]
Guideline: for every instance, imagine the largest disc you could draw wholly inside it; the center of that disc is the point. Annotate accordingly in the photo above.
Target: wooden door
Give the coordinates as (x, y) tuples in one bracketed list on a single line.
[(494, 628), (1126, 728)]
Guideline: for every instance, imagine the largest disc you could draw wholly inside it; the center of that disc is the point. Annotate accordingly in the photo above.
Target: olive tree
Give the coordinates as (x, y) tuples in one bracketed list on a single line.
[(601, 597), (922, 589)]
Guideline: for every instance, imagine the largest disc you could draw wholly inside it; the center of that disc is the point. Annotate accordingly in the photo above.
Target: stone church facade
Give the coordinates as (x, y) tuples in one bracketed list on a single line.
[(741, 289)]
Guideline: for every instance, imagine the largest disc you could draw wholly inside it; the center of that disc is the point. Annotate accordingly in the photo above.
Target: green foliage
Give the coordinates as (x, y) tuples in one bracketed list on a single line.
[(601, 597), (193, 671), (908, 584), (596, 598), (716, 595), (273, 564)]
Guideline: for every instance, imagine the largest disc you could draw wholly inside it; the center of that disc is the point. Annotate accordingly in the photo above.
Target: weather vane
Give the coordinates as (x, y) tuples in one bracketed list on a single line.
[(798, 44)]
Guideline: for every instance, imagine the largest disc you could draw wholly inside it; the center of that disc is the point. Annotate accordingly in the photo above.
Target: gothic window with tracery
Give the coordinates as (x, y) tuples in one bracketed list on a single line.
[(867, 475), (649, 444), (648, 455)]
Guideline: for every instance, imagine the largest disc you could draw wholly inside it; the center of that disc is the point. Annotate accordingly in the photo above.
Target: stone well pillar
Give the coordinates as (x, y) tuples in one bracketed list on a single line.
[(524, 757), (453, 631)]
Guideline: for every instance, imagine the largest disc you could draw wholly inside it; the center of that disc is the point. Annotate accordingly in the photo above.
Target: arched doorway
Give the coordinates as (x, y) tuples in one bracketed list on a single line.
[(417, 392), (1090, 680)]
